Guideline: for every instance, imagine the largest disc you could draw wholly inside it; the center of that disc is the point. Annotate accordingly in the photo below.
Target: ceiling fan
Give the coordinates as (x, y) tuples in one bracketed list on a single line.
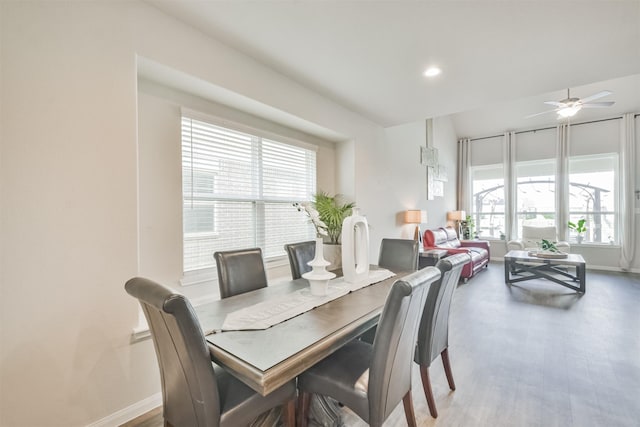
[(569, 106)]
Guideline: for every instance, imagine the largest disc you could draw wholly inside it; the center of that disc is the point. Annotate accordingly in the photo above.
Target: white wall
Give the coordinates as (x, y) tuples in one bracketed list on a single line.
[(70, 223), (402, 179)]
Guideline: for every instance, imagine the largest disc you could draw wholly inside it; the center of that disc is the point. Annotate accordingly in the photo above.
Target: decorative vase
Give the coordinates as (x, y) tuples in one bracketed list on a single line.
[(355, 248), (318, 277)]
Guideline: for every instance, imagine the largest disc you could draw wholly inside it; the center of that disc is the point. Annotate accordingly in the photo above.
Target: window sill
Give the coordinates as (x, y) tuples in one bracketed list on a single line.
[(594, 245), (199, 277)]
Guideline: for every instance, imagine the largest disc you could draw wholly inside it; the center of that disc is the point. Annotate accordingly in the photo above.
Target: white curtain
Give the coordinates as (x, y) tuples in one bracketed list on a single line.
[(627, 193), (563, 138), (509, 161), (464, 163)]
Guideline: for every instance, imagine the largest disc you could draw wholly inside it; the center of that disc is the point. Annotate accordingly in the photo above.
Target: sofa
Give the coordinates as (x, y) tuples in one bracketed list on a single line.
[(447, 239)]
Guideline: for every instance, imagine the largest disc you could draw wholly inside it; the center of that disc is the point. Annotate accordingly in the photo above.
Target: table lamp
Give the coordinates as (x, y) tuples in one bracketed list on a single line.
[(416, 217), (457, 217)]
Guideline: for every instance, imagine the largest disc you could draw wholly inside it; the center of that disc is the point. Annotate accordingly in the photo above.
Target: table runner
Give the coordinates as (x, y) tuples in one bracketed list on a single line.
[(268, 313)]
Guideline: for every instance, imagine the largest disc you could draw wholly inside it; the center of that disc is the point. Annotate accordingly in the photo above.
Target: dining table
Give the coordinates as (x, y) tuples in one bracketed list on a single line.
[(265, 359)]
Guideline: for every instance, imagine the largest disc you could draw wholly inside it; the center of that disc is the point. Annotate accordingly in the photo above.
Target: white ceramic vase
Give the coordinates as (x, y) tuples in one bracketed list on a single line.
[(355, 248), (319, 277)]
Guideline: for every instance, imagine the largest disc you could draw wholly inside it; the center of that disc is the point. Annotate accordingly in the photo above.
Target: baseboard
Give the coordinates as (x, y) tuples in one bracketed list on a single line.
[(130, 412), (616, 269), (592, 267)]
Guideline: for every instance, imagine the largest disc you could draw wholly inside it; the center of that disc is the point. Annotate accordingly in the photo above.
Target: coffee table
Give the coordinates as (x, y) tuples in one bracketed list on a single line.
[(527, 267)]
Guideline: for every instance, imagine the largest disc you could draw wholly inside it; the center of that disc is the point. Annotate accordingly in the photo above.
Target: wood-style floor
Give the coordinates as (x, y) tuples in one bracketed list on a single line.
[(533, 354)]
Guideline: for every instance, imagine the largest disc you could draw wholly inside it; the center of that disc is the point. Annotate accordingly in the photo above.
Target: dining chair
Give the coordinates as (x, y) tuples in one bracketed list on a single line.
[(196, 392), (240, 271), (433, 332), (371, 379), (395, 255), (299, 255), (399, 254)]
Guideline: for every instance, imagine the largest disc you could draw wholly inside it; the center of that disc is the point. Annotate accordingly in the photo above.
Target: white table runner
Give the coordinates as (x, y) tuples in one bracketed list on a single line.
[(268, 313)]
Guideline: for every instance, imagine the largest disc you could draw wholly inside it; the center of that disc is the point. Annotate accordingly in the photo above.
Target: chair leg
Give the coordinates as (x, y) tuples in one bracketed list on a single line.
[(408, 410), (304, 400), (289, 413), (428, 393), (447, 368)]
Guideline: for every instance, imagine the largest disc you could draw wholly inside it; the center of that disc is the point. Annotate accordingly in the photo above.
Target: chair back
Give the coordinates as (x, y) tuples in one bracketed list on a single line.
[(532, 235), (433, 333), (394, 344), (240, 271), (398, 254), (299, 256), (442, 238), (189, 389)]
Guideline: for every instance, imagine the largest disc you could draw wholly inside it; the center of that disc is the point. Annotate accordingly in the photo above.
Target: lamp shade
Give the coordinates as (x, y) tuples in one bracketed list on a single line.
[(415, 217), (457, 215)]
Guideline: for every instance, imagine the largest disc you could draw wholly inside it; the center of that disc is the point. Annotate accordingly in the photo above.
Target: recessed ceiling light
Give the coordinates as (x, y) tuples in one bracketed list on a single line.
[(432, 71)]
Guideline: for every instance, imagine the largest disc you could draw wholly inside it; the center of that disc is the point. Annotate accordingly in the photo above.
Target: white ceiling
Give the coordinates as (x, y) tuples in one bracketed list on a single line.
[(369, 55)]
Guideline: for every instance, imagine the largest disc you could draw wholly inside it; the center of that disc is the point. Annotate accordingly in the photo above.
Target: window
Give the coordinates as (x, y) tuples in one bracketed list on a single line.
[(238, 191), (535, 193), (593, 196), (590, 189), (487, 206)]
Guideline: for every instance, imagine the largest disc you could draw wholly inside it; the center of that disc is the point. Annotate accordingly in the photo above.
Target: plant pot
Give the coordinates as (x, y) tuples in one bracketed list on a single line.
[(333, 254)]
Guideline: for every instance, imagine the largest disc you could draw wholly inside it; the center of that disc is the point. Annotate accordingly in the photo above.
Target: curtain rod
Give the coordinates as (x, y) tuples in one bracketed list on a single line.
[(551, 127)]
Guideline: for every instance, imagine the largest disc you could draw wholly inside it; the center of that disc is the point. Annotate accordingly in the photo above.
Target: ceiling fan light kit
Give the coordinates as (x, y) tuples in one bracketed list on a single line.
[(569, 106), (569, 111)]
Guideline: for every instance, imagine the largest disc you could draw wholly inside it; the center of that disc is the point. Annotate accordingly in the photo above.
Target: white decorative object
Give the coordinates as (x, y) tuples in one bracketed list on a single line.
[(355, 248), (318, 277)]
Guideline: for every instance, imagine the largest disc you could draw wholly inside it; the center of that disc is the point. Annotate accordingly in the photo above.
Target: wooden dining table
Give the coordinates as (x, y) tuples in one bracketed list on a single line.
[(268, 358)]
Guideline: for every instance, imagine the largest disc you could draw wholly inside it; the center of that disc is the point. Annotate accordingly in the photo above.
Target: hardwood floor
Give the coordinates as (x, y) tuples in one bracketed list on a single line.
[(533, 354)]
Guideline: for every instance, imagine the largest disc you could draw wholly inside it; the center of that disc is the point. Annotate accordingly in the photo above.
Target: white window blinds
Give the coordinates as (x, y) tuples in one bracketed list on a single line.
[(238, 191)]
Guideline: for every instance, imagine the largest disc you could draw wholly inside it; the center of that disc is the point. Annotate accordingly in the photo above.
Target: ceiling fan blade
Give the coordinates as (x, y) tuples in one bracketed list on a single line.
[(596, 96), (556, 103), (598, 104), (538, 114)]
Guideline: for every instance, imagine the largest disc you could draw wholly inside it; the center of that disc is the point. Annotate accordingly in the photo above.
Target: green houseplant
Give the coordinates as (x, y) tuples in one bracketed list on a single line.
[(547, 245), (468, 228), (327, 213), (332, 210), (580, 228)]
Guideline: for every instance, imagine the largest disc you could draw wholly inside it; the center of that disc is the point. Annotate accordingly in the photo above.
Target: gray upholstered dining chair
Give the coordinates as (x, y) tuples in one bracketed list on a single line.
[(433, 333), (395, 255), (373, 379), (196, 392), (398, 254), (299, 255), (240, 271)]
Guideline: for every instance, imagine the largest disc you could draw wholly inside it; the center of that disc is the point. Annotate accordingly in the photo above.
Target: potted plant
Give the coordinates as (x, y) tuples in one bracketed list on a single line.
[(548, 245), (331, 211), (579, 228), (467, 228)]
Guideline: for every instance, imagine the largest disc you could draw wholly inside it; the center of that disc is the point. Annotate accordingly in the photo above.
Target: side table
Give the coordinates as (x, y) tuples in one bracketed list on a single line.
[(430, 257)]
